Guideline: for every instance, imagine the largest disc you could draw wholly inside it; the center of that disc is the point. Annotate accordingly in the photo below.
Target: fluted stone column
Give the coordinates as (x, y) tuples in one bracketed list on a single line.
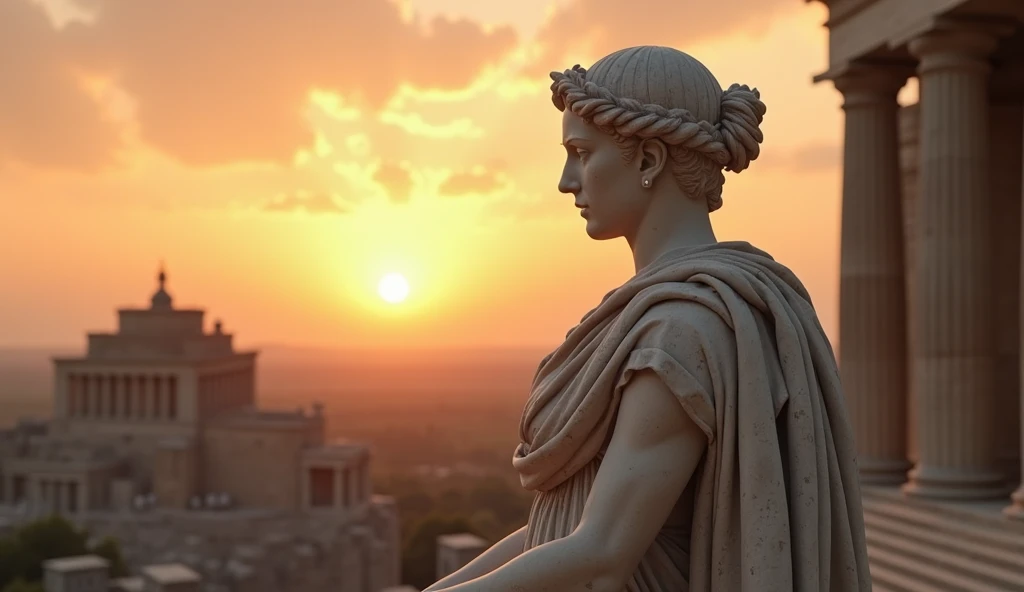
[(953, 344), (352, 481), (339, 487), (910, 132), (1016, 508), (367, 481), (1006, 152), (872, 305)]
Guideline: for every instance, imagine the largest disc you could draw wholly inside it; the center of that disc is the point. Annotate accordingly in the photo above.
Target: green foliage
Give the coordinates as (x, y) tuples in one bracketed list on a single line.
[(109, 549), (21, 585), (489, 506), (419, 559), (47, 538), (15, 560), (23, 553)]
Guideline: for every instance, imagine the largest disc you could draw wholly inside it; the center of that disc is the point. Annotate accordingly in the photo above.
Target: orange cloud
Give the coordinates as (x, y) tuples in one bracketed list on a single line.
[(396, 180), (581, 29), (316, 203), (46, 117), (224, 81), (528, 208), (478, 181), (810, 157)]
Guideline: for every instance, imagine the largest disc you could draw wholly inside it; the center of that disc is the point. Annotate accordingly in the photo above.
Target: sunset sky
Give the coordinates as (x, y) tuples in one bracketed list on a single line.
[(282, 157)]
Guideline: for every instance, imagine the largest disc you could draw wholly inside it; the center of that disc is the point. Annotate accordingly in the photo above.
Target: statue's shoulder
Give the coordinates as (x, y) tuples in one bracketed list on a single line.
[(685, 328)]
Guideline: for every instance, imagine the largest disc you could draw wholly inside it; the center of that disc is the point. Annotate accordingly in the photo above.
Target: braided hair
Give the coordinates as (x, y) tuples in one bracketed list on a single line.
[(699, 149)]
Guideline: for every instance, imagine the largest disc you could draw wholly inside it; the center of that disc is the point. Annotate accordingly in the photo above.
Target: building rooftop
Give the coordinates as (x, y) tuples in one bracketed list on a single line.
[(66, 451), (463, 540), (337, 450), (170, 573), (255, 417), (132, 584), (77, 563)]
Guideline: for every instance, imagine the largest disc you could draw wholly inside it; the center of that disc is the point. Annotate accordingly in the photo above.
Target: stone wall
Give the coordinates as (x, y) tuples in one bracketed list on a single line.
[(258, 466)]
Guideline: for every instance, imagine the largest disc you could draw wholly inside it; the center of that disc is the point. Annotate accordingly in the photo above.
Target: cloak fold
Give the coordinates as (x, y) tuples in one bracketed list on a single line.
[(776, 501)]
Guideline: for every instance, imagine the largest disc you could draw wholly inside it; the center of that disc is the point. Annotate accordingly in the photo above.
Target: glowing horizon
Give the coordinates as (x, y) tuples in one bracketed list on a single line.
[(281, 186)]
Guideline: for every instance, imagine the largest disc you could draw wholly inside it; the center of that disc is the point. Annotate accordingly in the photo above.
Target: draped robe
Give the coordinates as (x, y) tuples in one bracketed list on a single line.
[(775, 503)]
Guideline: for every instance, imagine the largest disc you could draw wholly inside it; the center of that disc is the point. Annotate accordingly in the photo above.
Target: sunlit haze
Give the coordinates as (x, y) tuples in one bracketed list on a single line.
[(282, 166), (393, 288)]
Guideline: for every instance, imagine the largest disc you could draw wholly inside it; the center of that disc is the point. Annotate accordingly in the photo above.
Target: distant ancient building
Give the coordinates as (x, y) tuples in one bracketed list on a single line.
[(172, 577), (90, 573), (930, 299), (86, 573), (156, 439), (456, 550)]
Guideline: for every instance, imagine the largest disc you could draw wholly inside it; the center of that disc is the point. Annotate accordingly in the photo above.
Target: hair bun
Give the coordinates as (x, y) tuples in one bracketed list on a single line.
[(739, 123)]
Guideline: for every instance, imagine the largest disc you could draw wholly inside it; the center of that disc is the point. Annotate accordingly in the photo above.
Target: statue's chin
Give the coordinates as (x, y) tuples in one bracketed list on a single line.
[(597, 233)]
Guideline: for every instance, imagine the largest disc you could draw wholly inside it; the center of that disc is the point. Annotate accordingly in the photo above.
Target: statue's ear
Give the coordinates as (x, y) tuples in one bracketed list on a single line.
[(653, 157)]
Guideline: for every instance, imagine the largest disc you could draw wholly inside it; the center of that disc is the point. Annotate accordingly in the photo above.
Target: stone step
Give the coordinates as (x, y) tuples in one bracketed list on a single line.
[(965, 554), (896, 572), (886, 579), (899, 540), (997, 533), (991, 515)]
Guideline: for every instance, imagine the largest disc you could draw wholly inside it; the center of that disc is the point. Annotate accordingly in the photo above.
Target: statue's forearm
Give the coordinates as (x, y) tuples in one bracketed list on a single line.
[(497, 555), (568, 564)]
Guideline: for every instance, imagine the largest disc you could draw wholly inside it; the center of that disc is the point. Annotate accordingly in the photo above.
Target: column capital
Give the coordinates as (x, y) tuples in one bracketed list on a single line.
[(871, 83), (958, 44)]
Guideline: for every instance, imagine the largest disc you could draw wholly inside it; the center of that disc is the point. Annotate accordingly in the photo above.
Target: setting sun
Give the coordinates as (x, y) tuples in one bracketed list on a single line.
[(393, 288)]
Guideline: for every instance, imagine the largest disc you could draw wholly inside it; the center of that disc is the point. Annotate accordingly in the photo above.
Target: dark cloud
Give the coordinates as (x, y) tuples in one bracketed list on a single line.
[(315, 203), (218, 81)]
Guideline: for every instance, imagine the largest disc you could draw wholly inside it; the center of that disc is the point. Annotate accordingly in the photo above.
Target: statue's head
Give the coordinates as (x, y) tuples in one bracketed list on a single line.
[(651, 118)]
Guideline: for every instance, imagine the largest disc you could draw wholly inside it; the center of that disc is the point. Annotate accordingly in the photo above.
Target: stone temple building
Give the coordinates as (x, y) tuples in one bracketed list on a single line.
[(455, 551), (930, 299), (156, 439), (91, 573)]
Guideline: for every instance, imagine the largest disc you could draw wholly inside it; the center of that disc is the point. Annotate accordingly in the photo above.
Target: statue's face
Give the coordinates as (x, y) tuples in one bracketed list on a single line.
[(605, 186)]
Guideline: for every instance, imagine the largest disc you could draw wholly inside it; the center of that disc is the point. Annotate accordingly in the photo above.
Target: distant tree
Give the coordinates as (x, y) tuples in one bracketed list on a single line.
[(110, 549), (451, 501), (510, 506), (23, 553), (419, 555), (48, 538), (14, 561), (21, 585), (415, 502), (487, 524)]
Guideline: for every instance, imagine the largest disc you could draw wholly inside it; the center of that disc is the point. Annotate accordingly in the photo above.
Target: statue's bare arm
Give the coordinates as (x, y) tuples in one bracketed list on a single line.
[(497, 555), (654, 450)]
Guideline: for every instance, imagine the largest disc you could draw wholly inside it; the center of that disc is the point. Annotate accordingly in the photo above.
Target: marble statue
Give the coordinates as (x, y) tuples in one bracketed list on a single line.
[(690, 433)]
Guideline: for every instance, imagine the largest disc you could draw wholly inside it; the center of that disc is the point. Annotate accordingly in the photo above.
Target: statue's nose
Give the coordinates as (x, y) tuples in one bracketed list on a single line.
[(568, 183)]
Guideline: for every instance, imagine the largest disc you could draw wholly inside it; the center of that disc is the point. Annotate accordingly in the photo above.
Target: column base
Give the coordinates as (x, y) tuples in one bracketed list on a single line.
[(883, 472), (954, 484), (1016, 509), (1010, 468)]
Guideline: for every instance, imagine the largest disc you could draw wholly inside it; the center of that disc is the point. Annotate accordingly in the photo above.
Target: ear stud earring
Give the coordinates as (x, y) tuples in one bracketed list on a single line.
[(646, 183)]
